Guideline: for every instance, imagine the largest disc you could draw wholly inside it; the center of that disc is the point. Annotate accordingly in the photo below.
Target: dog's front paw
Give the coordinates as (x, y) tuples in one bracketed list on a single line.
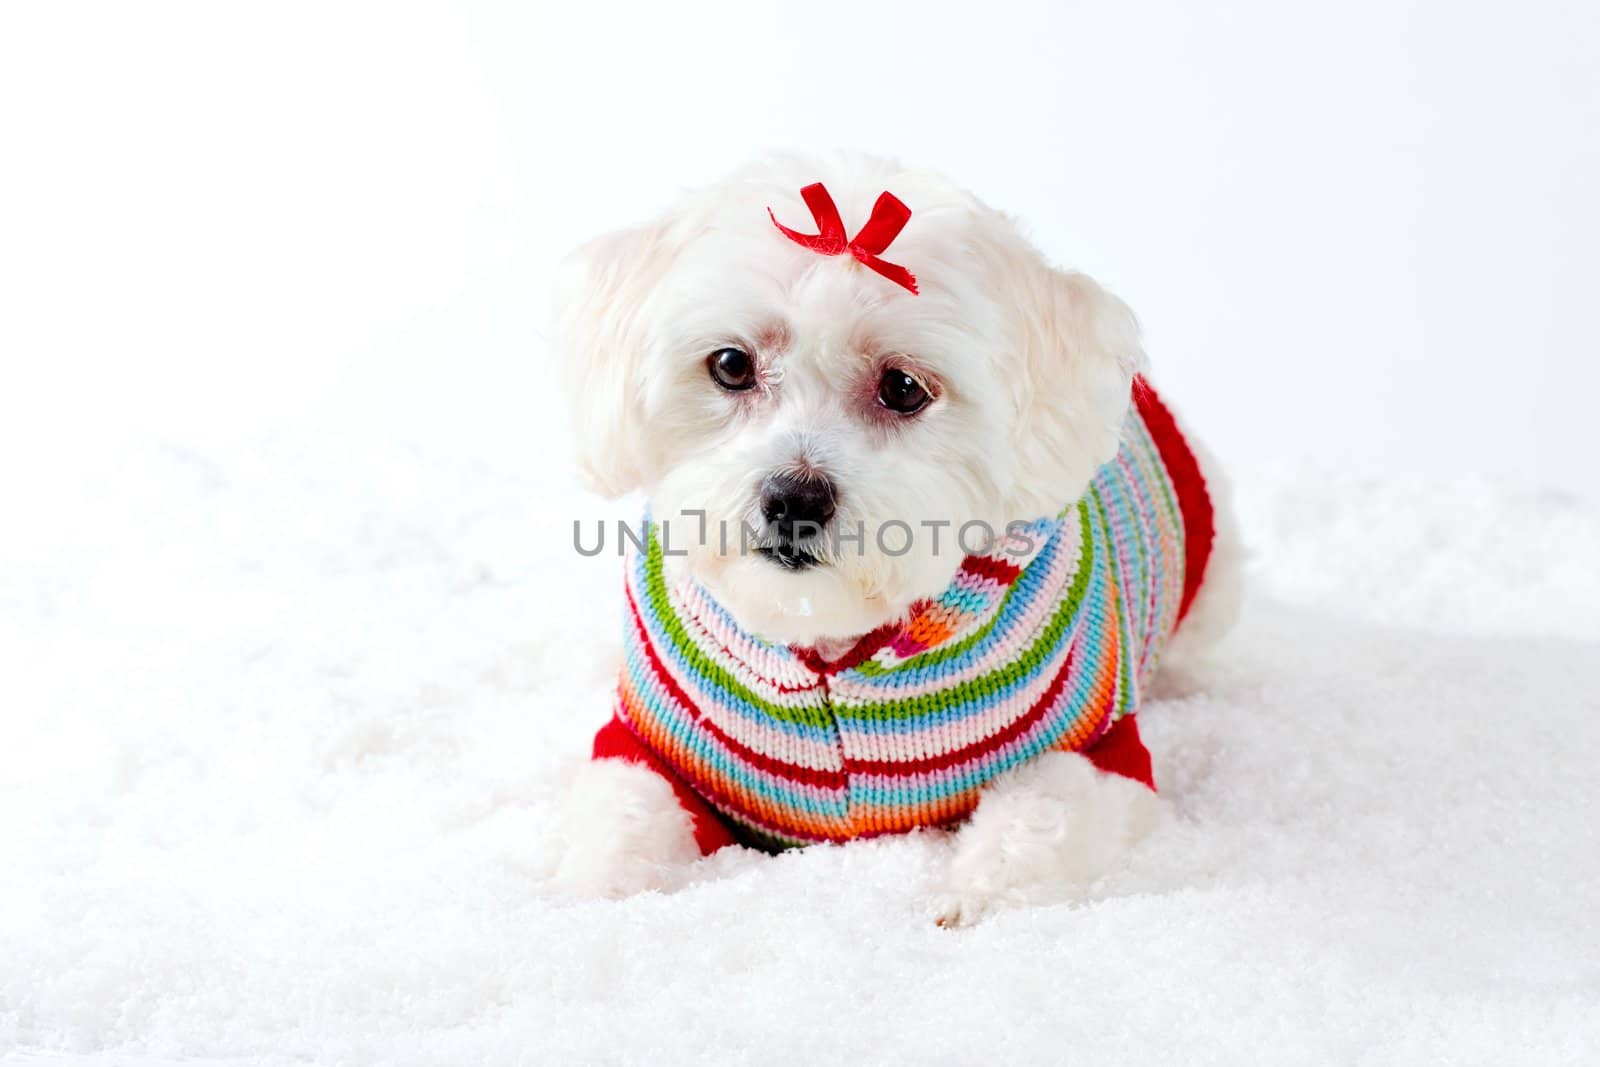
[(1042, 834), (621, 832), (951, 908)]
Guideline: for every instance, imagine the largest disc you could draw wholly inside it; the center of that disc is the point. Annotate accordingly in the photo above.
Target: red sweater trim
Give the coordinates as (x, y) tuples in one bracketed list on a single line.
[(1121, 751), (616, 741), (1194, 502)]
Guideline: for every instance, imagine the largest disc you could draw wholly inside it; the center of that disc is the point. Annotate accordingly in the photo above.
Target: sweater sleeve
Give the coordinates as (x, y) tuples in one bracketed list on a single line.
[(616, 741), (1121, 751)]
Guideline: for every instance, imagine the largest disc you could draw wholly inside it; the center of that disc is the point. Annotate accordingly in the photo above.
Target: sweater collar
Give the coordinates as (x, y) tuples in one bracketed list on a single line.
[(966, 605)]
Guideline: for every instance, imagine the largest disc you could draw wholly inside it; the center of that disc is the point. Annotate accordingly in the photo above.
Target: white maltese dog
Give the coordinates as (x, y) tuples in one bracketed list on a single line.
[(918, 531)]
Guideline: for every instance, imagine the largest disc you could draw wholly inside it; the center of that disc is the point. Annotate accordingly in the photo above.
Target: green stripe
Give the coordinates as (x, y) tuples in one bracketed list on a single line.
[(1133, 502), (1119, 604), (1157, 473)]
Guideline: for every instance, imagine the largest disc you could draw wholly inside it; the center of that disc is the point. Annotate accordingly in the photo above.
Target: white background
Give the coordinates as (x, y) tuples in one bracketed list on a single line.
[(293, 656), (1363, 233)]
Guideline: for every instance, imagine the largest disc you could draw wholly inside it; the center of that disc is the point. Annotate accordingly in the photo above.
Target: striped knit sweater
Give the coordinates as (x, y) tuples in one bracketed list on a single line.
[(1048, 649)]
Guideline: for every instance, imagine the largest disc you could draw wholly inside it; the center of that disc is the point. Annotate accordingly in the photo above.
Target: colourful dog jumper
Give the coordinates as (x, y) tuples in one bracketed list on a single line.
[(1044, 643)]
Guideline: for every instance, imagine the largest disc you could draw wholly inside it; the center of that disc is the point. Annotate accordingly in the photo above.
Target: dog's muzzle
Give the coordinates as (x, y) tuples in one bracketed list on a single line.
[(796, 509)]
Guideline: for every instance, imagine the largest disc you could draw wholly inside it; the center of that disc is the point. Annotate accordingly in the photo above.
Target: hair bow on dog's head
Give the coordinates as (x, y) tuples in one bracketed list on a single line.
[(889, 217)]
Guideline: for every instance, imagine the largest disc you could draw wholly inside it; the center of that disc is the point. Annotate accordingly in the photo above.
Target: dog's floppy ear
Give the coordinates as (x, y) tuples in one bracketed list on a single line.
[(1079, 352), (602, 345)]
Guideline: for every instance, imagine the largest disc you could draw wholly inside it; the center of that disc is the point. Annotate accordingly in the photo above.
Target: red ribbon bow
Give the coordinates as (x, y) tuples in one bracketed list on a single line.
[(889, 217)]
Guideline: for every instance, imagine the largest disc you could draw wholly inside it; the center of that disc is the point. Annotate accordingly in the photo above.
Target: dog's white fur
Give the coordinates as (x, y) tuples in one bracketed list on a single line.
[(621, 831), (1031, 369)]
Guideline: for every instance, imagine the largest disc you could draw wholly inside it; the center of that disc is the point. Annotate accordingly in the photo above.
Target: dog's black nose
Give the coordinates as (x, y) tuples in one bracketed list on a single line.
[(789, 501)]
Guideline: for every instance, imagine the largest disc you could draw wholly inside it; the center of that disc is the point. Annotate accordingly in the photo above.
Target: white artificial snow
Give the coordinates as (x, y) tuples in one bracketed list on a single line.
[(281, 728)]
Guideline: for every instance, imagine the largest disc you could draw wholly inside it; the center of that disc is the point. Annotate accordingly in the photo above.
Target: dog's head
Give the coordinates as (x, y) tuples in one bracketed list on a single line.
[(827, 444)]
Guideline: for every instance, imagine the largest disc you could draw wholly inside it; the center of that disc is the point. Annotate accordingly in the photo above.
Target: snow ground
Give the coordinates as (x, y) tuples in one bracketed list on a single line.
[(283, 725)]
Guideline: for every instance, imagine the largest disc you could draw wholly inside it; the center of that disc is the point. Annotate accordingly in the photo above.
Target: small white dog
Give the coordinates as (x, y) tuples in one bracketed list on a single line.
[(920, 533)]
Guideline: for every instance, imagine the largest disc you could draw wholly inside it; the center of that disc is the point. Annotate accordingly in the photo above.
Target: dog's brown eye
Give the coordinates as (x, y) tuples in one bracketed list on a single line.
[(733, 369), (901, 393)]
